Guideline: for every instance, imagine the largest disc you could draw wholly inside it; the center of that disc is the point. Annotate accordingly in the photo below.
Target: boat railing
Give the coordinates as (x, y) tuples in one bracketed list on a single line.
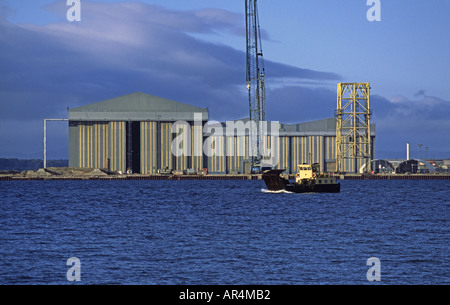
[(325, 175)]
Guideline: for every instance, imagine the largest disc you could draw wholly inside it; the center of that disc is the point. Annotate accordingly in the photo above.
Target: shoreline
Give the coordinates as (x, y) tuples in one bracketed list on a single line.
[(60, 174)]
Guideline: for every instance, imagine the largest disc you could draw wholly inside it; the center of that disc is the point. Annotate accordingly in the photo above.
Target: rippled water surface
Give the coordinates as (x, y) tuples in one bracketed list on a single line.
[(223, 232)]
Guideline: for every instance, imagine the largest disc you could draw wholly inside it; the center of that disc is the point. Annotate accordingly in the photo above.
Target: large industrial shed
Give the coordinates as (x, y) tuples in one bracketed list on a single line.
[(134, 132), (131, 132), (309, 142)]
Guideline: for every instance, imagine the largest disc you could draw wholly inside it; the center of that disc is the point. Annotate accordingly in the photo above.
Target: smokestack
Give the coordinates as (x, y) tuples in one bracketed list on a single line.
[(407, 151)]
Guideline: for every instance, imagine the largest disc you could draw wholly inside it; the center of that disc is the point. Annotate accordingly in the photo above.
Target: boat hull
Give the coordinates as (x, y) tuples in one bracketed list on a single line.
[(313, 188)]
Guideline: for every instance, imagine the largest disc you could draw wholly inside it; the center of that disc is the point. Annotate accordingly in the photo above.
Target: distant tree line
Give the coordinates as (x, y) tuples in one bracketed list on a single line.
[(29, 164)]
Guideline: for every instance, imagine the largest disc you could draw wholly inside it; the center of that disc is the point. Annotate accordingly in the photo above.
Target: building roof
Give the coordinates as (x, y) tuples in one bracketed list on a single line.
[(137, 106), (140, 106), (320, 127), (324, 127)]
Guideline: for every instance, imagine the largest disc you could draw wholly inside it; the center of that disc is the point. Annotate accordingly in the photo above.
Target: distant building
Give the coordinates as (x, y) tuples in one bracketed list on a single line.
[(134, 133), (413, 166)]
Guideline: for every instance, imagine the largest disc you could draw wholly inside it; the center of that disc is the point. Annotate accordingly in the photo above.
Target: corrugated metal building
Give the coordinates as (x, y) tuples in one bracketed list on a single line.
[(134, 132), (309, 142), (131, 132)]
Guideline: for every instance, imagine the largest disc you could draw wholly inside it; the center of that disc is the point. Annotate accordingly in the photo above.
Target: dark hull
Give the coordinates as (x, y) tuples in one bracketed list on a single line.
[(276, 183), (313, 188)]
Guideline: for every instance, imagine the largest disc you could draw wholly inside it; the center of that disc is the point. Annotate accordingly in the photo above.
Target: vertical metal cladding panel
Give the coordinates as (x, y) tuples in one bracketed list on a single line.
[(304, 149), (117, 146), (237, 152), (280, 154), (315, 150), (197, 147), (221, 154), (310, 151), (217, 158), (166, 142), (230, 154), (294, 154), (208, 149), (362, 161), (209, 156), (330, 154), (239, 149), (372, 144), (283, 154), (263, 146), (353, 165), (299, 152), (274, 151), (242, 149), (232, 157), (182, 139), (104, 131), (81, 146), (93, 149), (241, 153), (85, 150), (209, 162), (310, 154), (345, 162), (321, 153), (330, 148), (74, 144), (148, 147), (348, 163), (286, 155), (333, 148), (246, 149)]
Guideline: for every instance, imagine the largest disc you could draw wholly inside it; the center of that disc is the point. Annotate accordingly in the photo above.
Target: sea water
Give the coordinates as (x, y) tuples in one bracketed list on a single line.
[(223, 232)]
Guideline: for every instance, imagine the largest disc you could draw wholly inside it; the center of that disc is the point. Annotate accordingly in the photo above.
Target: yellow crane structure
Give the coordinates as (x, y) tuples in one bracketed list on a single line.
[(353, 137)]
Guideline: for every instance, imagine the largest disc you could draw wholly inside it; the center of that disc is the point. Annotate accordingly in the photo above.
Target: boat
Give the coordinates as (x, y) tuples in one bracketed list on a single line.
[(308, 179)]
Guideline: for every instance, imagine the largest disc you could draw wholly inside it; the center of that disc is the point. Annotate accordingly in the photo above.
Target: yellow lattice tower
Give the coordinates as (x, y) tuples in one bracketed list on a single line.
[(353, 140)]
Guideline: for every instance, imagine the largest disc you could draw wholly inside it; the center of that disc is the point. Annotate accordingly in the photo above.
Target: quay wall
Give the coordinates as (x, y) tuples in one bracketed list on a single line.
[(217, 177)]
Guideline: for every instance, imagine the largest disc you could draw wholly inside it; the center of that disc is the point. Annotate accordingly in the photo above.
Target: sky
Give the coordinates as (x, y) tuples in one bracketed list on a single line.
[(193, 51)]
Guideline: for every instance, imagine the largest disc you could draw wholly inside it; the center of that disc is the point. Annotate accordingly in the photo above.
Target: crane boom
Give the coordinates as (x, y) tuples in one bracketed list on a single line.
[(255, 78)]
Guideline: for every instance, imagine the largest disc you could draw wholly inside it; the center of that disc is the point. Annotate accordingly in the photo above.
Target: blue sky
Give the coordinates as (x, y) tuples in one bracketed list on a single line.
[(194, 52)]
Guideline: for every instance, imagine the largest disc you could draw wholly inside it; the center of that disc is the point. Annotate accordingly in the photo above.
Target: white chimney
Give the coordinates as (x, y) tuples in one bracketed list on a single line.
[(407, 151)]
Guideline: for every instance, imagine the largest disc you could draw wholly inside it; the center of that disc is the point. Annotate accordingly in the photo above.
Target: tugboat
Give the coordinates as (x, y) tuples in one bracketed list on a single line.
[(307, 180)]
